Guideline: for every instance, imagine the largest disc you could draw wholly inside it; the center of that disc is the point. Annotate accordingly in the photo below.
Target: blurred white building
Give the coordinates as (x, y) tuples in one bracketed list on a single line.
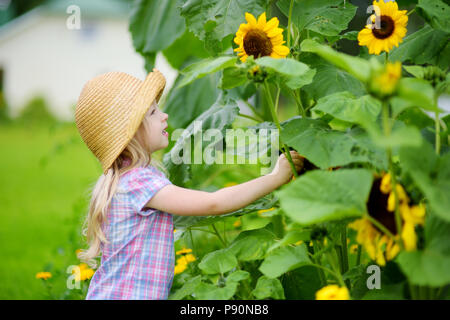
[(44, 53)]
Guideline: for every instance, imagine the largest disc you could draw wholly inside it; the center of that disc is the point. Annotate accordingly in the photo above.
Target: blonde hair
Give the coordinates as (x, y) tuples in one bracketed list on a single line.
[(104, 189)]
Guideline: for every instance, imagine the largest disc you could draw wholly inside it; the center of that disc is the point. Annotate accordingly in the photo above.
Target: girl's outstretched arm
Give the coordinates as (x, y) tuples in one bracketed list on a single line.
[(187, 202)]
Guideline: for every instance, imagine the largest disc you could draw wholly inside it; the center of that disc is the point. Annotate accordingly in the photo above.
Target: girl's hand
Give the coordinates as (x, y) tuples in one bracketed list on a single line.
[(283, 170)]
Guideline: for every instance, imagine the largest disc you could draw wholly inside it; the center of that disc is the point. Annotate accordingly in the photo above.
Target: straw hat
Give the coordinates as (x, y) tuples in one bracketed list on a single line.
[(110, 109)]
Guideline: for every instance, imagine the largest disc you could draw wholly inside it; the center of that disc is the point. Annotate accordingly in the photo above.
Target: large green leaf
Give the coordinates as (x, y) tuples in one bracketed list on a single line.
[(326, 148), (345, 106), (329, 79), (220, 17), (424, 46), (295, 74), (320, 196), (154, 25), (187, 289), (437, 234), (185, 47), (219, 116), (268, 288), (431, 174), (357, 67), (219, 261), (419, 92), (207, 291), (436, 13), (426, 267), (251, 245), (205, 67), (187, 103), (284, 259), (327, 17), (301, 283)]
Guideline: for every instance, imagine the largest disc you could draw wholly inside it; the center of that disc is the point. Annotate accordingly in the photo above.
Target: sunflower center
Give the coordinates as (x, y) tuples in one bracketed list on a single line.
[(257, 44), (377, 208), (386, 28)]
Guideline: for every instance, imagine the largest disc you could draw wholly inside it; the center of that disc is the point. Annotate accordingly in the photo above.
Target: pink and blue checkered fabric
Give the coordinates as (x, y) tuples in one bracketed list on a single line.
[(138, 262)]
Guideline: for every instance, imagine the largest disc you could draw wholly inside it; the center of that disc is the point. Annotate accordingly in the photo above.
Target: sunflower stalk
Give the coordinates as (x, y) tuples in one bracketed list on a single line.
[(277, 123), (298, 101), (437, 128), (288, 38), (255, 112), (387, 133)]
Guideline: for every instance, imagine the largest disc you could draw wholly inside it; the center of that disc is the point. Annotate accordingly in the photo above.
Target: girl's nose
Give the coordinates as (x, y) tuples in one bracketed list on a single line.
[(165, 116)]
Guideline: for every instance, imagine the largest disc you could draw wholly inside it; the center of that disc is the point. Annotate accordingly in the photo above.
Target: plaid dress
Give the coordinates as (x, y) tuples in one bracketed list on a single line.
[(138, 262)]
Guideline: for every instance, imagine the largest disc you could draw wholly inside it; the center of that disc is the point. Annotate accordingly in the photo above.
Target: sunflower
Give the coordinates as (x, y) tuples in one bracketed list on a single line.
[(260, 38), (381, 205), (390, 30), (385, 82)]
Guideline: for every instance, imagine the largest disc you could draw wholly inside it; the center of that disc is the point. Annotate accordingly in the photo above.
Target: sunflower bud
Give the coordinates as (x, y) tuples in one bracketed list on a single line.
[(256, 74)]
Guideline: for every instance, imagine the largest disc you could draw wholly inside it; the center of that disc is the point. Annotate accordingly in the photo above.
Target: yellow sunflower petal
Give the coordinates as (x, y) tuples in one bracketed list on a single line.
[(281, 50), (262, 21), (271, 24), (274, 32), (251, 20)]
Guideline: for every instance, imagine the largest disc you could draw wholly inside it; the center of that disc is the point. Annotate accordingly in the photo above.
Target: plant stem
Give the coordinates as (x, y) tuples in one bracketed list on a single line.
[(344, 253), (277, 123), (298, 101), (386, 58), (288, 38), (256, 113), (358, 255), (277, 98), (192, 241), (411, 11), (218, 235), (248, 117), (322, 277), (380, 226), (438, 137), (334, 274), (387, 133)]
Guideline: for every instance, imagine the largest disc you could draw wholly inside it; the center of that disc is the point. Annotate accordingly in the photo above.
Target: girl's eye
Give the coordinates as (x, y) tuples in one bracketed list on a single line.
[(153, 111)]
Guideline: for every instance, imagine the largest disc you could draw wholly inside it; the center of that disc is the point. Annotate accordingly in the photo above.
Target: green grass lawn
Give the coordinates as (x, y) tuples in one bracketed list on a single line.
[(42, 204)]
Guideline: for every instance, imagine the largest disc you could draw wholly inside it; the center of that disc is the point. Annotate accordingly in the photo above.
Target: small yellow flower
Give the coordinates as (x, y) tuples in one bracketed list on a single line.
[(333, 292), (259, 38), (384, 83), (189, 258), (298, 242), (354, 248), (184, 251), (43, 275), (174, 230), (237, 223), (83, 272), (179, 268)]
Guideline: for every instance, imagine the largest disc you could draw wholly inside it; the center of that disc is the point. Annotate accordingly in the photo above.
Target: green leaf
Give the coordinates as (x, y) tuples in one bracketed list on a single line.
[(301, 283), (291, 237), (268, 288), (253, 221), (187, 103), (251, 245), (187, 289), (207, 291), (319, 196), (386, 292), (326, 148), (233, 77), (185, 47), (155, 25), (428, 268), (431, 175), (345, 106), (437, 234), (328, 79), (284, 259), (424, 46), (219, 261), (436, 13), (237, 276), (219, 116), (205, 67), (294, 73), (218, 17), (419, 92), (327, 17), (357, 67)]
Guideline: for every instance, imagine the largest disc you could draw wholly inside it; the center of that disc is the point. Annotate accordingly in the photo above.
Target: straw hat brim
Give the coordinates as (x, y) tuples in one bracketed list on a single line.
[(151, 89)]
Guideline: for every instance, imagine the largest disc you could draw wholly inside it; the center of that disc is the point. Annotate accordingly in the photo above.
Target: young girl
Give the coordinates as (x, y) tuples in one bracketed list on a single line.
[(130, 212)]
